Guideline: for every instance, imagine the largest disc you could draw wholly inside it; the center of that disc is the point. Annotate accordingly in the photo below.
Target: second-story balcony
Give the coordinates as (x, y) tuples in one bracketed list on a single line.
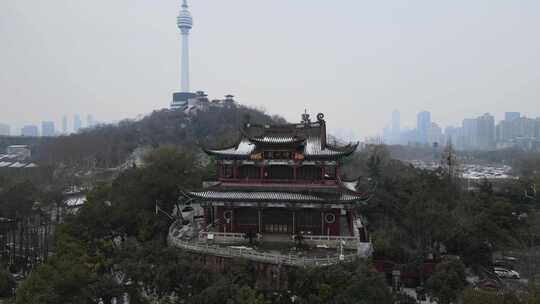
[(269, 181)]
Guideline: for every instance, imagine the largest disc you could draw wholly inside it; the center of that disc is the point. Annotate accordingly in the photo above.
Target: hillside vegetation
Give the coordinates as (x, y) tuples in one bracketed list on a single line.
[(109, 145)]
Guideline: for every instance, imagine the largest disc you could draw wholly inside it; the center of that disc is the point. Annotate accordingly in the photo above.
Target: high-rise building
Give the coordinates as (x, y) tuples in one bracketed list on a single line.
[(519, 127), (65, 124), (387, 135), (469, 132), (396, 127), (509, 116), (5, 130), (408, 136), (423, 123), (184, 23), (485, 132), (30, 131), (455, 136), (89, 121), (47, 129), (525, 127), (434, 135), (451, 132), (77, 123), (505, 130)]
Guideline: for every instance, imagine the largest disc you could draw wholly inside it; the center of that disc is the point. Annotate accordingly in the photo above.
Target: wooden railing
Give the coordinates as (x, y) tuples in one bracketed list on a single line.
[(247, 253), (227, 237), (332, 241), (336, 238), (266, 180)]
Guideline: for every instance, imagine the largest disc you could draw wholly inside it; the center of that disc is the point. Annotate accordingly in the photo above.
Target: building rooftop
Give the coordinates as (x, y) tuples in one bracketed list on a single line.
[(273, 196), (340, 192), (309, 138), (18, 146), (14, 161)]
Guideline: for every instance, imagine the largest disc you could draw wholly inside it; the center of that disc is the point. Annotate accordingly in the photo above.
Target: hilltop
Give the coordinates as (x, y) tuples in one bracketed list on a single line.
[(108, 145)]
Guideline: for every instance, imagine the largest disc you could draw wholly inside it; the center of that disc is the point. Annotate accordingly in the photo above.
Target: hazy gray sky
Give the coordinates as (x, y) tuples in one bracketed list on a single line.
[(354, 60)]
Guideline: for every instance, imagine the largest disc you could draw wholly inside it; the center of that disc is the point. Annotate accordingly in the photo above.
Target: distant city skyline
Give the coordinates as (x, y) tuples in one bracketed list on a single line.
[(483, 132), (454, 59), (48, 129), (65, 124), (412, 121), (423, 122), (5, 129)]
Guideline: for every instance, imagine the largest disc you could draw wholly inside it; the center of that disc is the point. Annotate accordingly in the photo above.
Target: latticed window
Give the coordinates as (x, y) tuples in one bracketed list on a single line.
[(246, 216), (278, 154), (227, 171), (330, 172), (276, 228), (277, 221), (279, 172), (249, 171), (309, 173), (309, 221)]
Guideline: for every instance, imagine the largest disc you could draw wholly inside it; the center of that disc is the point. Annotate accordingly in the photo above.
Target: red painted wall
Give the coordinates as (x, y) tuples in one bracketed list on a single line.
[(331, 228), (223, 226), (219, 217), (245, 228), (328, 228)]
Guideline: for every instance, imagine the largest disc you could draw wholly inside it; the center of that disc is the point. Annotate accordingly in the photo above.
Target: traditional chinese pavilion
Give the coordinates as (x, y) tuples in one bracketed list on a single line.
[(281, 181)]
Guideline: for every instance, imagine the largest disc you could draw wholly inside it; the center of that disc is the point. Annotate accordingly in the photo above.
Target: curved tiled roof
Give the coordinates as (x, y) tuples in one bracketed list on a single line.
[(311, 137), (243, 149), (350, 185), (277, 139), (271, 196), (315, 148)]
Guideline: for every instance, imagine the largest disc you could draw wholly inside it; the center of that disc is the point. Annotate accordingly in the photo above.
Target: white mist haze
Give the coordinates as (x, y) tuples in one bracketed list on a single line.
[(356, 61)]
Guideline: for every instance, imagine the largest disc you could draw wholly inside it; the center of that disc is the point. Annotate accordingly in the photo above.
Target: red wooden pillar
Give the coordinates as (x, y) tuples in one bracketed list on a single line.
[(350, 222), (233, 228), (235, 170), (294, 220), (260, 223), (219, 216), (322, 223), (337, 226), (205, 210), (228, 220)]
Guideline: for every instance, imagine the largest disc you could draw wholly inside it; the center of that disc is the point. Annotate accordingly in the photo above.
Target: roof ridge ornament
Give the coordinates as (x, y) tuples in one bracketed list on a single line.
[(320, 117), (305, 118)]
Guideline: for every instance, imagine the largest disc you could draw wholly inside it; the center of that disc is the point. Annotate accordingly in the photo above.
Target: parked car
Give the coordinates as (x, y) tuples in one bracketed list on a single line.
[(506, 273)]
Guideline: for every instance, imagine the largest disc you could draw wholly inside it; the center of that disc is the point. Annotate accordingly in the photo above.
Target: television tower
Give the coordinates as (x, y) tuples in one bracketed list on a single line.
[(185, 23)]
